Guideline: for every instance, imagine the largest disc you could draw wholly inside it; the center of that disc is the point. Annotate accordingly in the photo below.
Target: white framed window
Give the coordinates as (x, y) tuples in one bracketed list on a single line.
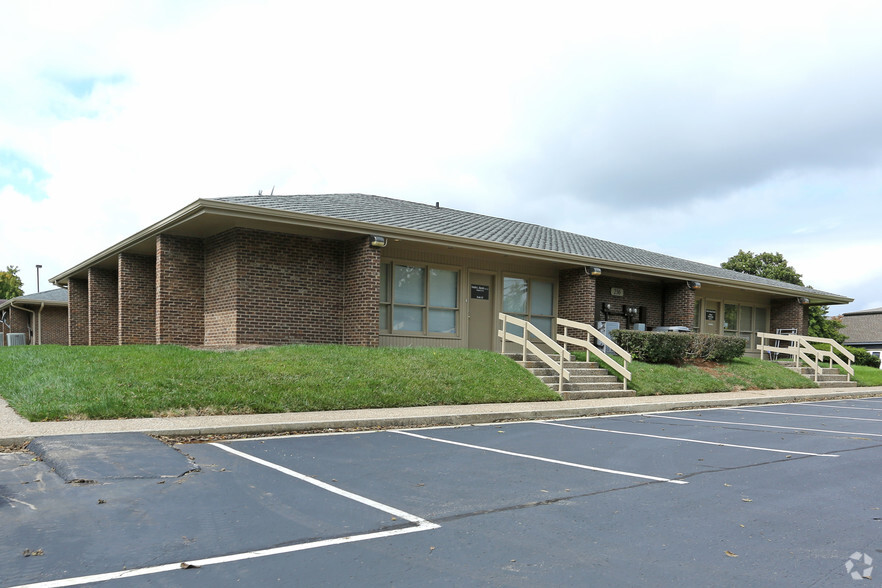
[(419, 299)]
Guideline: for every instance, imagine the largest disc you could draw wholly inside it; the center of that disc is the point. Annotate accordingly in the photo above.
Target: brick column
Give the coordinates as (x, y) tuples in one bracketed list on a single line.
[(137, 299), (577, 295), (78, 311), (679, 305), (180, 277), (788, 314), (361, 293), (103, 307)]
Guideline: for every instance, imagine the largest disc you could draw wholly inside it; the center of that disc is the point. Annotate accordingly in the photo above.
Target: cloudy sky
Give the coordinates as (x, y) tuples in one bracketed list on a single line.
[(689, 128)]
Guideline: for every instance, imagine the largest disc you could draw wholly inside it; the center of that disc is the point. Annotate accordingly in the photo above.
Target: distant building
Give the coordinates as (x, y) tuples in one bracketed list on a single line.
[(864, 329), (367, 270), (40, 317)]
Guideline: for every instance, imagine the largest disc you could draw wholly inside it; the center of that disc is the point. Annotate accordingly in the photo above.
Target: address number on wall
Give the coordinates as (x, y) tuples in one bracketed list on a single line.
[(617, 292)]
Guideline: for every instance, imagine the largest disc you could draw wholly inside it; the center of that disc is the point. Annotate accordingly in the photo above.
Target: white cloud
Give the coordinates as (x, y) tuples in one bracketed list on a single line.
[(676, 127)]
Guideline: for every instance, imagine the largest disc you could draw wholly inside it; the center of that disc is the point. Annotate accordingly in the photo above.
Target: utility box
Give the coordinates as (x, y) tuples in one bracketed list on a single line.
[(639, 326), (672, 329), (15, 339), (607, 327)]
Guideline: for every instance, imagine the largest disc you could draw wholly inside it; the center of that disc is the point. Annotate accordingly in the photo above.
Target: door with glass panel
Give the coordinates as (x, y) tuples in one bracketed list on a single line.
[(480, 312)]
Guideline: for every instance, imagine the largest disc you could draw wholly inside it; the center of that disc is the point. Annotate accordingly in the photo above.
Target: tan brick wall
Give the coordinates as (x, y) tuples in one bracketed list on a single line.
[(103, 307), (180, 271), (636, 293), (137, 299), (78, 311), (788, 314), (222, 298), (361, 296), (290, 289), (577, 295), (679, 306), (54, 326)]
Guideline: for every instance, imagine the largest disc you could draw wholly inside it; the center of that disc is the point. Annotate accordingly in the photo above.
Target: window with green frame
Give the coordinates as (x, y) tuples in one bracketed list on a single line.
[(417, 299), (531, 300)]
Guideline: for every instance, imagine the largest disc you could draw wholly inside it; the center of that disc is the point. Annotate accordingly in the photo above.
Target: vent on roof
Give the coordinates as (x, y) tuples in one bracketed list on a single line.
[(15, 339)]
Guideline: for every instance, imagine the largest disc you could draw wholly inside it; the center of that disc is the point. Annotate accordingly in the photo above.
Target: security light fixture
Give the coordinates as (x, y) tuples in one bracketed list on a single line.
[(378, 241), (802, 300), (592, 270), (693, 285)]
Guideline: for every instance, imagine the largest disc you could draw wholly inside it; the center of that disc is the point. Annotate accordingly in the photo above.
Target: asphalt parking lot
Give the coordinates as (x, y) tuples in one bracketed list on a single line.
[(766, 495)]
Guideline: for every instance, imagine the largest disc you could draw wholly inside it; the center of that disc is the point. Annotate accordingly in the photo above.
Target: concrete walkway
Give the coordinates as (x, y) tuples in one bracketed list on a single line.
[(15, 430)]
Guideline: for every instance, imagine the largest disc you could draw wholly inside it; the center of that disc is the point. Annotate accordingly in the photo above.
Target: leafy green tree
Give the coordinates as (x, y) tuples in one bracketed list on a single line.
[(765, 265), (10, 283), (774, 267)]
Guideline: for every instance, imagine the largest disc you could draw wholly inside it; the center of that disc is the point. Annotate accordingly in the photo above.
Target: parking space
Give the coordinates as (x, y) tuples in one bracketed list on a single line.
[(782, 494)]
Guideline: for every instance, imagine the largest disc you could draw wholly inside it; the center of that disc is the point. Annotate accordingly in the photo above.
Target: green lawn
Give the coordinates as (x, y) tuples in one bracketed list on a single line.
[(741, 374), (63, 383), (867, 376), (60, 383)]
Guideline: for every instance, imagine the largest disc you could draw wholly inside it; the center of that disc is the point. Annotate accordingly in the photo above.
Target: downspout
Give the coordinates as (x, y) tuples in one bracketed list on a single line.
[(40, 324), (12, 304)]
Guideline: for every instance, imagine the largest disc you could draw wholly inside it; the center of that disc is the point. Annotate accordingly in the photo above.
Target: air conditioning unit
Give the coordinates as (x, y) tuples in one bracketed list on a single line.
[(15, 339)]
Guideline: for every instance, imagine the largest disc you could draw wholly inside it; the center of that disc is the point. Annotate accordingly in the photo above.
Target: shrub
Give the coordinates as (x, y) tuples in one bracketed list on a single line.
[(715, 347), (655, 347), (861, 355)]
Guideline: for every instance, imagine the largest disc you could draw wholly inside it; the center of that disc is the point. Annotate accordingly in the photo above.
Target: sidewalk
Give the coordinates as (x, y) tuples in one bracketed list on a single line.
[(16, 430)]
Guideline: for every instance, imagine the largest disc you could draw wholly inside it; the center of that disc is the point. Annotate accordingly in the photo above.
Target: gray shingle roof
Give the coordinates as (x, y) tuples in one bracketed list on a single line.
[(52, 296), (863, 326), (450, 222)]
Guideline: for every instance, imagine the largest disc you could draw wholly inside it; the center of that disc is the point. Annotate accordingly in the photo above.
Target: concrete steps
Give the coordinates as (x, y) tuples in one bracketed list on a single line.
[(828, 378), (587, 379)]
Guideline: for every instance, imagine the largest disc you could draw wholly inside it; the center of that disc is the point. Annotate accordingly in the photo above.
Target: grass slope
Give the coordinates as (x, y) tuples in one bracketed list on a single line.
[(59, 383)]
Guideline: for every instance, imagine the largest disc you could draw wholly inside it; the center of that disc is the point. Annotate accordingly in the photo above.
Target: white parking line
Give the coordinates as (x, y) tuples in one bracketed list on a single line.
[(664, 416), (815, 416), (715, 443), (825, 405), (420, 525), (325, 486), (545, 459)]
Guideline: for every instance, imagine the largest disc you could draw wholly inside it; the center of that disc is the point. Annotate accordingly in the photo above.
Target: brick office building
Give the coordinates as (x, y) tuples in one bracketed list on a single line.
[(40, 317), (366, 270)]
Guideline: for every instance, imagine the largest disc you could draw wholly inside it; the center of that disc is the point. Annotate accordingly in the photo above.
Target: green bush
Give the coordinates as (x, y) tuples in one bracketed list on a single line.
[(652, 347), (656, 347), (861, 355), (715, 347)]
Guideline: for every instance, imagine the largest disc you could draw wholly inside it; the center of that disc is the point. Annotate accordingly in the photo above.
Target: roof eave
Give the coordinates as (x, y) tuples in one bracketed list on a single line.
[(204, 206)]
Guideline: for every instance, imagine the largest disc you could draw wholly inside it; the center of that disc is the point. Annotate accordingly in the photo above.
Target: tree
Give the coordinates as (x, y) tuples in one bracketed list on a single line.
[(10, 283), (765, 265), (774, 267)]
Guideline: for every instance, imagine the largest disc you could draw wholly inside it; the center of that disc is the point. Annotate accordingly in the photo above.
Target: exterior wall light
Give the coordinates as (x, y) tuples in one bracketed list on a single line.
[(693, 285), (802, 300), (378, 241), (592, 270)]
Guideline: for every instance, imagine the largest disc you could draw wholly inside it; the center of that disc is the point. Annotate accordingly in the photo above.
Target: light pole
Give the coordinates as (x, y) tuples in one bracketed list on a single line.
[(38, 277)]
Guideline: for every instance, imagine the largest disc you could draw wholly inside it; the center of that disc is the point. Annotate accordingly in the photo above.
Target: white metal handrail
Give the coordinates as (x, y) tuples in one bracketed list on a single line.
[(801, 348), (589, 347), (527, 345)]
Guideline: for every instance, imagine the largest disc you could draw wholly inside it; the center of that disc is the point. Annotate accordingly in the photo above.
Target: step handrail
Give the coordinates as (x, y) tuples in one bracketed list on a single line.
[(565, 337), (526, 345), (801, 348)]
